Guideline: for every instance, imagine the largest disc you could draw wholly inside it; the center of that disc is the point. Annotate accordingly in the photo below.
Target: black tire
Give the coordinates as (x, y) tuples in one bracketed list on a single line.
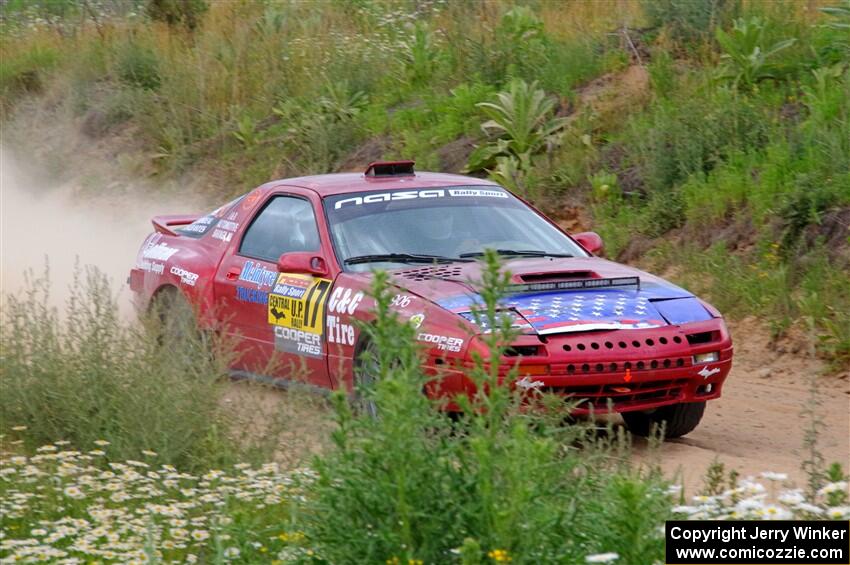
[(678, 419), (366, 373), (175, 319)]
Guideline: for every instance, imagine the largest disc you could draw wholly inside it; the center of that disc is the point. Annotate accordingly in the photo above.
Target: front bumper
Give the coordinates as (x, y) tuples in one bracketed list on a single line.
[(625, 370)]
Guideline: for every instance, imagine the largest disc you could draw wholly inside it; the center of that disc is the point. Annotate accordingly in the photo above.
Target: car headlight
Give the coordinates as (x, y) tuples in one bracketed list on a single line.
[(710, 357)]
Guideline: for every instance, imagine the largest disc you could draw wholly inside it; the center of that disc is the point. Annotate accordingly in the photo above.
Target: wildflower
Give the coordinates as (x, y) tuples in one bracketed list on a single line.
[(46, 448), (73, 492), (101, 442), (18, 428), (685, 509), (200, 535), (149, 453), (839, 512), (771, 476), (602, 557), (18, 460), (191, 558), (791, 497), (833, 487), (810, 508), (499, 555), (232, 552)]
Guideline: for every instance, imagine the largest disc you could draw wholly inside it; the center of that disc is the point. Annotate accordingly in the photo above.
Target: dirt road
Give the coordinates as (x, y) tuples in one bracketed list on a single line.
[(757, 425)]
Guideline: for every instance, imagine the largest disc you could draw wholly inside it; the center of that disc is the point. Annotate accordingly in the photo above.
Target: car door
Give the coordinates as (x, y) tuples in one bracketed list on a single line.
[(278, 318)]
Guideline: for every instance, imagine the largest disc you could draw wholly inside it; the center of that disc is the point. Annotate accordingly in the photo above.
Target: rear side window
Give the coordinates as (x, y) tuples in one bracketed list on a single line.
[(285, 225)]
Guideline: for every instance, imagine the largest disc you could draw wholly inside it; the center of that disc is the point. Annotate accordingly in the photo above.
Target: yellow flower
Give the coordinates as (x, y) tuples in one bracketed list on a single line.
[(393, 561), (499, 555)]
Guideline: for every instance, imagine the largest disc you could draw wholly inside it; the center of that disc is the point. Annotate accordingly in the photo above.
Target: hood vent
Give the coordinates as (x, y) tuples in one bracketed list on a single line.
[(431, 272), (558, 276)]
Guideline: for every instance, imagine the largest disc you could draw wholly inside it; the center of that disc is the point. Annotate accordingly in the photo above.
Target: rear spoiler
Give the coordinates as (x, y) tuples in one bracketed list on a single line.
[(164, 224)]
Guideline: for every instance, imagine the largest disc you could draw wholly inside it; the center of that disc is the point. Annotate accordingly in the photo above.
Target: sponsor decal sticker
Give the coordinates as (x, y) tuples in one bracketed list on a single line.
[(344, 301), (151, 267), (258, 274), (159, 252), (293, 286), (527, 384), (200, 226), (252, 295), (223, 235), (228, 225), (705, 372), (339, 332), (418, 194), (186, 277), (417, 319), (441, 342), (305, 313), (298, 342), (250, 200), (400, 301)]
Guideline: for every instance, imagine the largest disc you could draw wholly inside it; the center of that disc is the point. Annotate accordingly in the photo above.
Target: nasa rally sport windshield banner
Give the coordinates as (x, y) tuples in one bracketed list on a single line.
[(757, 542)]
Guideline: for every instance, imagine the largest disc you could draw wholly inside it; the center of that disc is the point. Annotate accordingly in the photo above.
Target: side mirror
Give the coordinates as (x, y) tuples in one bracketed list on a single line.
[(301, 262), (590, 241)]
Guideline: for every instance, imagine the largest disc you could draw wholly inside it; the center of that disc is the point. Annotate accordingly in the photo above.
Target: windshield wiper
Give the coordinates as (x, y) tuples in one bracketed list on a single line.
[(518, 253), (403, 258)]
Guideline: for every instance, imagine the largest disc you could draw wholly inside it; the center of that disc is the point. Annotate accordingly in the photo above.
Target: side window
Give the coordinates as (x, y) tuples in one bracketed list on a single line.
[(286, 224)]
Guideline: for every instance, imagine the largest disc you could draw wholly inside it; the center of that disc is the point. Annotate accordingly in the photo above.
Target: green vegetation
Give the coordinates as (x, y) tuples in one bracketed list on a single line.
[(732, 154), (501, 484), (85, 376)]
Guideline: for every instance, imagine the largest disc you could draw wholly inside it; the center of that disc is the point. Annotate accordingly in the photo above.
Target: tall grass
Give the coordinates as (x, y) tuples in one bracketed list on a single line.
[(87, 376)]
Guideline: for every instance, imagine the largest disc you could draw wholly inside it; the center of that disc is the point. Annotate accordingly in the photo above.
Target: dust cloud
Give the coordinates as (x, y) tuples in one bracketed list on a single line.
[(65, 224)]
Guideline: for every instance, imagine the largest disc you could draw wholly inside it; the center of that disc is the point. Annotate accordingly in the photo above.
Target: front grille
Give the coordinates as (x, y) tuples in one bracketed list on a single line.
[(620, 395), (645, 365)]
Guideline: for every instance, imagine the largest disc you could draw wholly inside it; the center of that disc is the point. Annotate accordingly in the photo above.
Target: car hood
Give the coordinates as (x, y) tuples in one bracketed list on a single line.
[(643, 301)]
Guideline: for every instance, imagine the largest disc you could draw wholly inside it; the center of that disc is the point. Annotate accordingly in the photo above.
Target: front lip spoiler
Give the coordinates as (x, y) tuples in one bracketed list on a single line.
[(594, 326)]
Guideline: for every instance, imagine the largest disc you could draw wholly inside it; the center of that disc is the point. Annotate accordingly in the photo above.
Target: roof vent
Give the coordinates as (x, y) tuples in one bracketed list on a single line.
[(390, 169)]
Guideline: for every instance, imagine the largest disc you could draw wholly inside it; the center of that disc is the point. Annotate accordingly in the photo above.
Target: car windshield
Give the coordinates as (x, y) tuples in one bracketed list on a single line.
[(392, 228)]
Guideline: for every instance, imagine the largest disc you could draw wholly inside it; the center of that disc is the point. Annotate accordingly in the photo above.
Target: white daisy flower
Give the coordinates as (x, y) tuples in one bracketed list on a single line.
[(602, 558)]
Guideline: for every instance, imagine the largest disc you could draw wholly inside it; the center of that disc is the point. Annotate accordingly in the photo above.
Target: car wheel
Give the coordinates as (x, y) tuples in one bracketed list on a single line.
[(175, 319), (678, 419), (366, 374)]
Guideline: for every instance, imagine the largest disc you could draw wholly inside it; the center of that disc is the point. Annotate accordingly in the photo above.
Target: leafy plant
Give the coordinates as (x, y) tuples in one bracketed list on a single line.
[(686, 21), (521, 125), (420, 55), (340, 102), (745, 60)]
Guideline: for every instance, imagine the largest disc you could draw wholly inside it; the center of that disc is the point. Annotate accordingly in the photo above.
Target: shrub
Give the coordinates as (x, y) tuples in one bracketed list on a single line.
[(521, 125), (746, 60), (138, 66), (88, 376), (686, 20)]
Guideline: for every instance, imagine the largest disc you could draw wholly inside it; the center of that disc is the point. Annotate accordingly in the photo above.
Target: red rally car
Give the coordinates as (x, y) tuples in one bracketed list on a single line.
[(289, 266)]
